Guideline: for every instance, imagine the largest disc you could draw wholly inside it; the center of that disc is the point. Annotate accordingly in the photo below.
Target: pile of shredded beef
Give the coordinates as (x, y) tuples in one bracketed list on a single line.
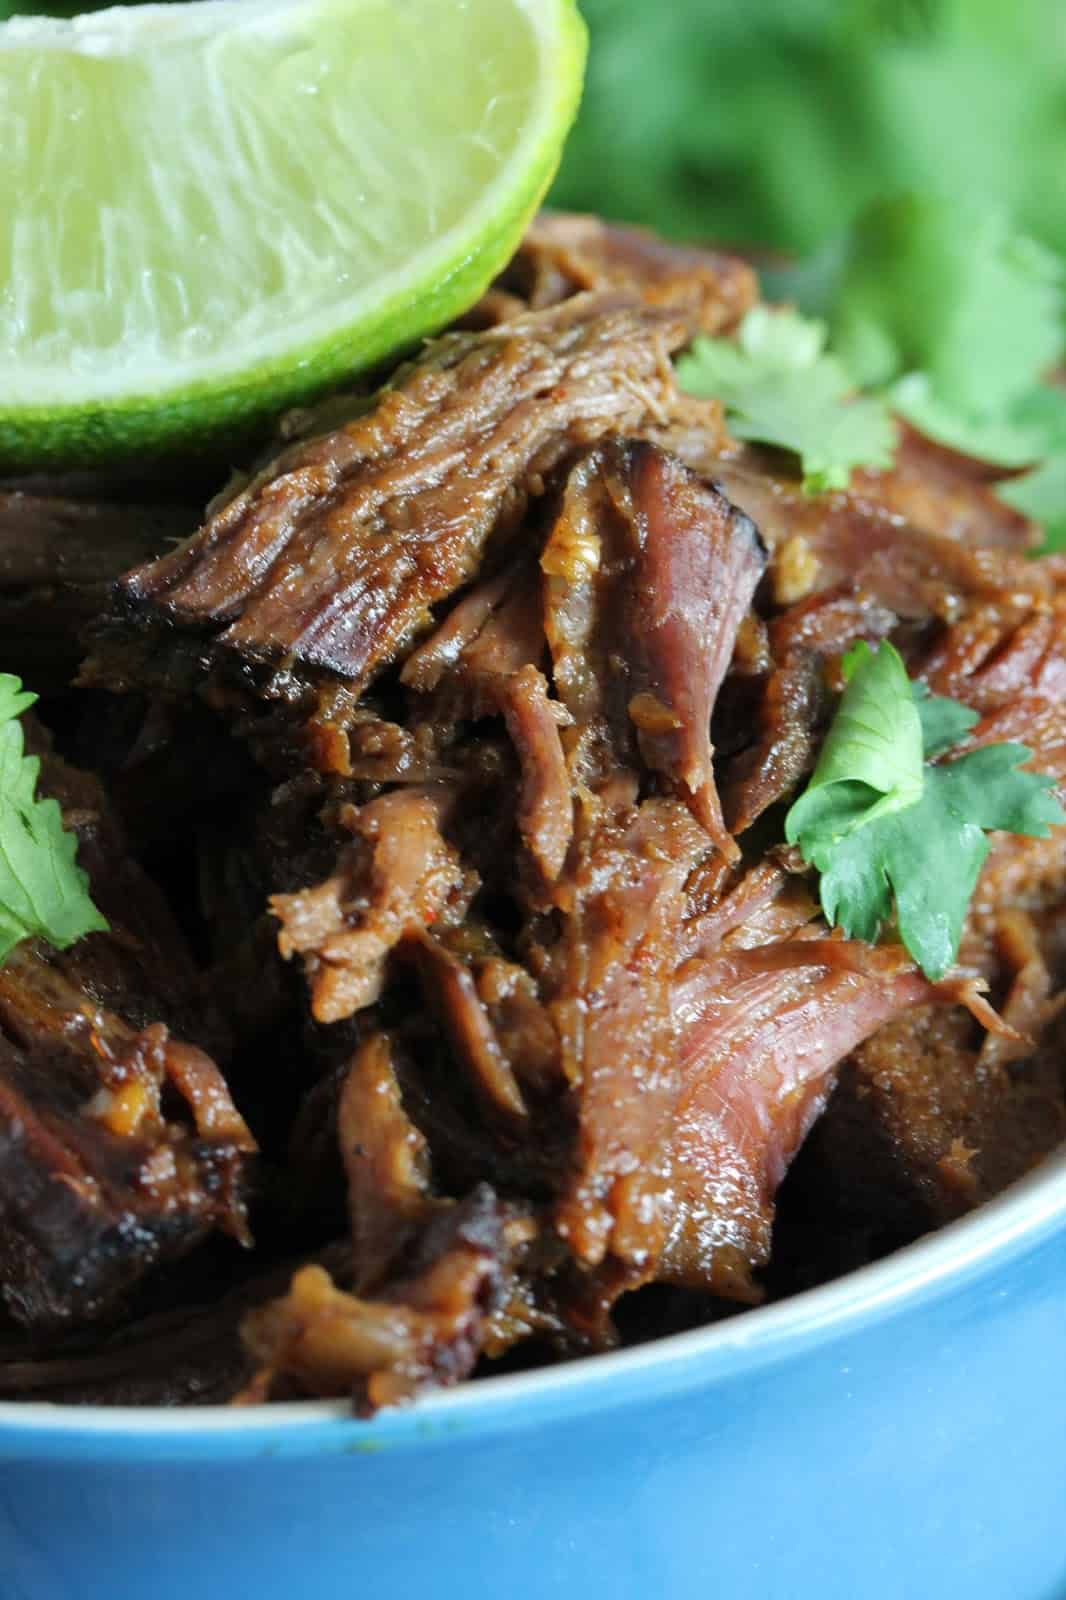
[(433, 789)]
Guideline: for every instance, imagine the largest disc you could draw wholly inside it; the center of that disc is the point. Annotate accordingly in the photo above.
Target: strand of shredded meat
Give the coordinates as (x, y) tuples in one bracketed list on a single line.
[(524, 656)]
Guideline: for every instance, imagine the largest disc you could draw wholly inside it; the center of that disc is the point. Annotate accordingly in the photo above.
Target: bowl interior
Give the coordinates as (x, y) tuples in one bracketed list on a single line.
[(1016, 1220)]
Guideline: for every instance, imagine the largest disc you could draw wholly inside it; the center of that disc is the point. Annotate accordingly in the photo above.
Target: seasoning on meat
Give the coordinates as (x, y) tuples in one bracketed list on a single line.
[(335, 553), (462, 734), (120, 1146)]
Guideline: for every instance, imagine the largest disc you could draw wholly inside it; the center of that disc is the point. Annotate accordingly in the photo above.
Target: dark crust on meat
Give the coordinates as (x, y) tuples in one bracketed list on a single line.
[(98, 1183), (334, 555), (565, 254), (510, 671)]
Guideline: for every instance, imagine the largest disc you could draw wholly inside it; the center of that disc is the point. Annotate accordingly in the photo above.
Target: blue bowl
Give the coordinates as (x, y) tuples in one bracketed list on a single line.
[(897, 1435)]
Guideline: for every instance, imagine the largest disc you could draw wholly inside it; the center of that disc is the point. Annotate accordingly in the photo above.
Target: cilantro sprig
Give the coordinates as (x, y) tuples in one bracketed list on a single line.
[(956, 321), (43, 892), (951, 292), (1041, 494), (781, 387), (891, 831), (936, 313)]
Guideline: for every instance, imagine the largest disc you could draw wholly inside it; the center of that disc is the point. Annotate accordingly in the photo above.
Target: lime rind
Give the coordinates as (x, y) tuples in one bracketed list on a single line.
[(163, 404)]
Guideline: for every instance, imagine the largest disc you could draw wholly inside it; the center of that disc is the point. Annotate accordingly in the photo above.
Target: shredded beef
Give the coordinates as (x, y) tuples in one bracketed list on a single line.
[(120, 1146), (60, 552), (461, 734), (425, 1327), (485, 658), (924, 1126), (386, 1160), (945, 493), (335, 553), (399, 875), (609, 980), (563, 254), (794, 700), (762, 1030), (649, 575)]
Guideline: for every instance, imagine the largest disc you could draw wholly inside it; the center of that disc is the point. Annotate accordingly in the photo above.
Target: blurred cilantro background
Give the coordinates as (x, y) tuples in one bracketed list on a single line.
[(907, 156), (773, 122)]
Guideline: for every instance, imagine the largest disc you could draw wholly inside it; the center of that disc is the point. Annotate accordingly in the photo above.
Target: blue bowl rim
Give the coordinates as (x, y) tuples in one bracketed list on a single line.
[(1014, 1223)]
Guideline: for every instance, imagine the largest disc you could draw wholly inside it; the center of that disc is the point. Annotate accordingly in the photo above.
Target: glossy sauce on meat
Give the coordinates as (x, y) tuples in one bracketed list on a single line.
[(506, 673)]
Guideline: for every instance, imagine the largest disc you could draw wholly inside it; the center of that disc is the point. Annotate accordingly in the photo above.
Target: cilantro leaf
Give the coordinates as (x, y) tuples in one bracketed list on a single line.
[(43, 892), (874, 746), (780, 387), (710, 120), (876, 727), (1026, 431), (935, 288), (955, 320), (1041, 494), (925, 861), (989, 788), (920, 854), (944, 722)]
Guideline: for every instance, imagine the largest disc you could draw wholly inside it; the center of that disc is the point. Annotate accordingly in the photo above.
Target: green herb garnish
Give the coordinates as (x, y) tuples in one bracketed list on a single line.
[(931, 287), (780, 387), (43, 892), (1041, 494), (956, 322), (775, 123), (888, 829)]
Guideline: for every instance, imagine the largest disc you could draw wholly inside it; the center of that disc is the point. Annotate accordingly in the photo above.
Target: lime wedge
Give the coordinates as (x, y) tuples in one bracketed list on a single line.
[(210, 211)]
